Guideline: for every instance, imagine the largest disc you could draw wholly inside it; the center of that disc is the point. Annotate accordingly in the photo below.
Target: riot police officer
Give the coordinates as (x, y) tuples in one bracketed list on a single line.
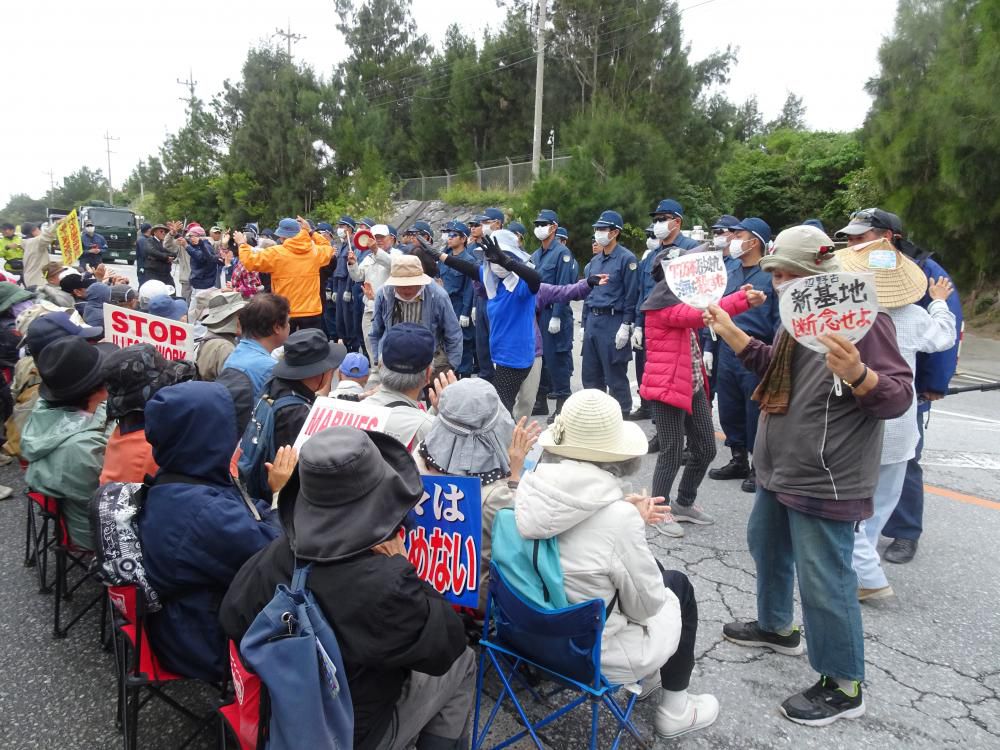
[(459, 289)]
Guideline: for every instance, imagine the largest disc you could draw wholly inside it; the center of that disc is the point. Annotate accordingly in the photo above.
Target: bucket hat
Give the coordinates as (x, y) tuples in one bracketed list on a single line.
[(308, 353), (898, 280), (134, 374), (803, 250), (406, 270), (70, 368), (221, 307), (590, 428)]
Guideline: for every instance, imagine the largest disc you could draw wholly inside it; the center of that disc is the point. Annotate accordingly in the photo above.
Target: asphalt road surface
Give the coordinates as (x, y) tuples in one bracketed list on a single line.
[(932, 652)]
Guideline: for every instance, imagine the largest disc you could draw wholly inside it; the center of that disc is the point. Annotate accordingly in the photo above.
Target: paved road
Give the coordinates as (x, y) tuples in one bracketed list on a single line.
[(932, 653)]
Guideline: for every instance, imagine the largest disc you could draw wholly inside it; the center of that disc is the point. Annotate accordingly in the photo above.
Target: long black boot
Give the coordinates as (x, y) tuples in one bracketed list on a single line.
[(737, 468), (559, 406)]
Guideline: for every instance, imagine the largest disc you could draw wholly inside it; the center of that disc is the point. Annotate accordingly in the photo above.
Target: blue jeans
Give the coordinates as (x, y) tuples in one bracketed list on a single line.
[(784, 542), (907, 521)]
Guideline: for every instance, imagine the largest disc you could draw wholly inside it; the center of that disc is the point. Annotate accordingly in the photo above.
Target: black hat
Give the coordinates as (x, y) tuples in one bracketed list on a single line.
[(145, 226), (351, 491), (27, 228), (70, 368), (408, 348), (307, 354), (73, 281)]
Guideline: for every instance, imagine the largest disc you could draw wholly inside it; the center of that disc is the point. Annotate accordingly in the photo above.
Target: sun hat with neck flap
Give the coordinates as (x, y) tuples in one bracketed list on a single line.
[(590, 428)]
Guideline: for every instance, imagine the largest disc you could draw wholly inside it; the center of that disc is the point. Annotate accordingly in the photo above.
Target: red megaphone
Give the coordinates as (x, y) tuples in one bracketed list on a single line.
[(363, 240)]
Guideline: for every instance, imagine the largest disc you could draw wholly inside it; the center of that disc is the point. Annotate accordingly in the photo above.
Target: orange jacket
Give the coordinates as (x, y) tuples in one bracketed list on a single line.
[(128, 458), (294, 268)]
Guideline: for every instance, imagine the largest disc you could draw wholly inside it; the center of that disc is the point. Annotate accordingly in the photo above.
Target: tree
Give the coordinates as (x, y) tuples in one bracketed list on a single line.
[(792, 117), (81, 186), (21, 208), (749, 122)]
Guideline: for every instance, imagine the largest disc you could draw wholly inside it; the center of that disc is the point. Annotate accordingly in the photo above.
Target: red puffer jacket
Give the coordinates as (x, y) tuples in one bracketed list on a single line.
[(668, 376)]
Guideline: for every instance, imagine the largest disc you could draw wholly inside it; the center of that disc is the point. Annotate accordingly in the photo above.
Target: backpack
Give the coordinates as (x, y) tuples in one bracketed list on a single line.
[(294, 651), (531, 566), (257, 444)]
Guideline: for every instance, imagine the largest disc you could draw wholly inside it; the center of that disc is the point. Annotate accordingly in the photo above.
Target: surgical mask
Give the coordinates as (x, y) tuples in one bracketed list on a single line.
[(780, 288), (663, 229), (720, 242), (487, 229), (602, 238), (499, 271), (542, 233), (342, 233), (414, 299), (89, 230), (736, 249), (652, 243)]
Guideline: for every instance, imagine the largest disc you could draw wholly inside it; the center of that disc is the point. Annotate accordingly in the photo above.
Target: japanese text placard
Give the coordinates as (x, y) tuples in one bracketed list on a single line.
[(68, 233), (698, 279), (840, 303)]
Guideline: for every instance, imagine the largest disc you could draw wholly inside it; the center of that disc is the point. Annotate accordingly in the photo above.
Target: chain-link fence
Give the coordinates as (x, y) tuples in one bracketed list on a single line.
[(511, 176)]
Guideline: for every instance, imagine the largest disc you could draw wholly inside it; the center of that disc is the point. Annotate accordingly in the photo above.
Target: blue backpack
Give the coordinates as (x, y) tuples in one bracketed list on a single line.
[(257, 444), (531, 566), (294, 651)]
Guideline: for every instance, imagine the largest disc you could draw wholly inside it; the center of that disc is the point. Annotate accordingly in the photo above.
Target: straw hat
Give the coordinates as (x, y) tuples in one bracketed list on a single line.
[(898, 280), (406, 270), (590, 428)]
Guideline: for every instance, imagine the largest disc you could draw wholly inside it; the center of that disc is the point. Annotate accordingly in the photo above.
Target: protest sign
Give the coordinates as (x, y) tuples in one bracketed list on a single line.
[(698, 279), (68, 233), (840, 303), (124, 327), (444, 537), (335, 412)]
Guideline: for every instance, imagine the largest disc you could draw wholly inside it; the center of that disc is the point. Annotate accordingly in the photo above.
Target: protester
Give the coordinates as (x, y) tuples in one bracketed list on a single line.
[(206, 263), (354, 375), (410, 675), (738, 412), (459, 287), (36, 252), (76, 287), (264, 326), (66, 434), (132, 376), (372, 272), (168, 307), (816, 456), (675, 386), (51, 291), (153, 288), (410, 296), (900, 284), (176, 246), (123, 295), (196, 528), (575, 494), (157, 258), (404, 372), (221, 320), (96, 296), (294, 267)]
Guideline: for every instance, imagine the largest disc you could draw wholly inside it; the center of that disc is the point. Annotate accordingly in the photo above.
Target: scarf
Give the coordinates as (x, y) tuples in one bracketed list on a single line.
[(775, 389)]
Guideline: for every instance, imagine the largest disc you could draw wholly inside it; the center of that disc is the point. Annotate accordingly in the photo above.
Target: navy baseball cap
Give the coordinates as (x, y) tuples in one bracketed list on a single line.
[(562, 233), (408, 348), (456, 226), (547, 216), (146, 226), (814, 223), (517, 228), (492, 214), (167, 307), (53, 326), (422, 226), (649, 231), (393, 231), (348, 221), (609, 219), (369, 222), (287, 228), (325, 226), (668, 206), (756, 226), (726, 221)]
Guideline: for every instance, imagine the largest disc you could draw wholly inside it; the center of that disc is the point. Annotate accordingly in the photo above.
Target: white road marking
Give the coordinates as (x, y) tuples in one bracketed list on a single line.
[(955, 460), (958, 415)]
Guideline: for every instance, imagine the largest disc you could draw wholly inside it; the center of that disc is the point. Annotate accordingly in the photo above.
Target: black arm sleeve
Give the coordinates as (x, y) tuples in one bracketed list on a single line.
[(530, 275), (463, 266)]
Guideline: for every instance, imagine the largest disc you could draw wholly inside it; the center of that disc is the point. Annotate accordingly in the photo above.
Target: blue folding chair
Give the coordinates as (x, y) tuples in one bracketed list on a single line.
[(565, 644)]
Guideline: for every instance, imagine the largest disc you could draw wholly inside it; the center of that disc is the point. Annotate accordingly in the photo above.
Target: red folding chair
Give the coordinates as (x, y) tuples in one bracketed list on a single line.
[(38, 540), (69, 557), (141, 677), (242, 717)]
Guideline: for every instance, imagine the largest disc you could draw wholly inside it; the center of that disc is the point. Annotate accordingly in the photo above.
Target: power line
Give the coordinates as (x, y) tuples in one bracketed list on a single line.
[(189, 84), (289, 37), (107, 145)]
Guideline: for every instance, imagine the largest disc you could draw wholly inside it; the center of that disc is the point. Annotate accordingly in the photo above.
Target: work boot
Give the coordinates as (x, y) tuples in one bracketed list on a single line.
[(641, 413), (737, 468), (750, 483), (559, 406), (540, 409)]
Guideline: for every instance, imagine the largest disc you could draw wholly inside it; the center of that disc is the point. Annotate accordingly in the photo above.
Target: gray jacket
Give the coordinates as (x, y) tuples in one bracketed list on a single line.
[(438, 317)]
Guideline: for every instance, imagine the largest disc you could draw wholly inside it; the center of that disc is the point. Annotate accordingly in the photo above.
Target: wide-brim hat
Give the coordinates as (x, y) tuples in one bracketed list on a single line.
[(590, 427), (222, 306), (406, 270), (71, 369), (898, 280), (325, 361), (803, 250), (351, 490), (472, 432)]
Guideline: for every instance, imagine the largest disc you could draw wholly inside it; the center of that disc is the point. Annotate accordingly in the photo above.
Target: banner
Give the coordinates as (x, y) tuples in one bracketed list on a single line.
[(842, 303), (444, 537), (124, 327), (698, 279), (68, 232), (335, 412)]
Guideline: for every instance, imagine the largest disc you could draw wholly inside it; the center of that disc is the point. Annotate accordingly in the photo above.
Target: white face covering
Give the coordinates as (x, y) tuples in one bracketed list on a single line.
[(720, 242), (602, 238), (342, 233), (736, 248), (663, 229), (90, 230), (407, 301), (780, 288), (499, 271), (542, 233), (652, 243), (487, 229)]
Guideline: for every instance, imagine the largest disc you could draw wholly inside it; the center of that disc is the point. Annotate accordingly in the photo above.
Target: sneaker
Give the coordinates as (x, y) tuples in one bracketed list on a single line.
[(884, 592), (6, 458), (737, 468), (691, 514), (701, 711), (671, 528), (5, 491), (650, 687), (823, 704), (750, 634), (900, 551)]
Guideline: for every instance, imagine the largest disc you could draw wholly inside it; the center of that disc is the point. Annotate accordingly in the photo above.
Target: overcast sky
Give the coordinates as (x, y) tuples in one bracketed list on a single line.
[(72, 73)]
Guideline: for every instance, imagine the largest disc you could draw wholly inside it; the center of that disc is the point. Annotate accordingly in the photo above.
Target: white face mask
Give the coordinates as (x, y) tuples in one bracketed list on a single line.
[(542, 233), (499, 271), (342, 233), (652, 243), (780, 288), (487, 229), (663, 229), (736, 248), (90, 230), (602, 238), (720, 242)]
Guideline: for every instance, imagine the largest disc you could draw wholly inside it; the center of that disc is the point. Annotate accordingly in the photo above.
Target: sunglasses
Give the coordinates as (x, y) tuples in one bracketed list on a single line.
[(717, 232)]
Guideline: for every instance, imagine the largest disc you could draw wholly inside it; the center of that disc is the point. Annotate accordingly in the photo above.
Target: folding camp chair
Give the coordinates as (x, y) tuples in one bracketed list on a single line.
[(242, 716), (140, 675), (565, 644), (69, 557), (40, 535)]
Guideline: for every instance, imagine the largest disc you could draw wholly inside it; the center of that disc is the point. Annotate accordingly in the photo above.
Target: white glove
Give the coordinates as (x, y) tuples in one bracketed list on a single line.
[(637, 338), (329, 295), (708, 359), (347, 296), (473, 316), (555, 325), (621, 338), (463, 320)]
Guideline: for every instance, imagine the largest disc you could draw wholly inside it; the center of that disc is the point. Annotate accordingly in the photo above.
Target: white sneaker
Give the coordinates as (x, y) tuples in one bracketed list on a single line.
[(5, 492), (701, 711)]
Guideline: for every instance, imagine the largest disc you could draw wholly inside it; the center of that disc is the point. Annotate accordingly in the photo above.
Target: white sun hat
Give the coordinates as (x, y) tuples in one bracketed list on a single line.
[(590, 428)]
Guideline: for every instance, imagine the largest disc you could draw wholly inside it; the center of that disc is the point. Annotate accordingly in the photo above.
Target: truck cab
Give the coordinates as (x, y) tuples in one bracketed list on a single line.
[(117, 226)]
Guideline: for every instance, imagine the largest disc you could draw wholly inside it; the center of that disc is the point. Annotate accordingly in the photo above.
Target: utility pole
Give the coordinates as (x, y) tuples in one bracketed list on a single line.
[(107, 145), (189, 84), (289, 37), (536, 146), (52, 180)]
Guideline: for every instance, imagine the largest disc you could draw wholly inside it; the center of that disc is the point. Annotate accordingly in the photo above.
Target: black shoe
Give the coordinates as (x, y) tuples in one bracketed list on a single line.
[(750, 483), (541, 409), (559, 406), (654, 445), (737, 468), (641, 413), (823, 704), (749, 634), (900, 551)]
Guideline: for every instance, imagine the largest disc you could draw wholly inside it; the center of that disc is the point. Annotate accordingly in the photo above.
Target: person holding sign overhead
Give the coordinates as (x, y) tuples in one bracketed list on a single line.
[(817, 460)]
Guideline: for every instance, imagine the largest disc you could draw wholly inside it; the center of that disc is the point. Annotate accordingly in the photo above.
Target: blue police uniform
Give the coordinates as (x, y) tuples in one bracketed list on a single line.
[(461, 293), (484, 359), (557, 266), (342, 286), (607, 308)]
